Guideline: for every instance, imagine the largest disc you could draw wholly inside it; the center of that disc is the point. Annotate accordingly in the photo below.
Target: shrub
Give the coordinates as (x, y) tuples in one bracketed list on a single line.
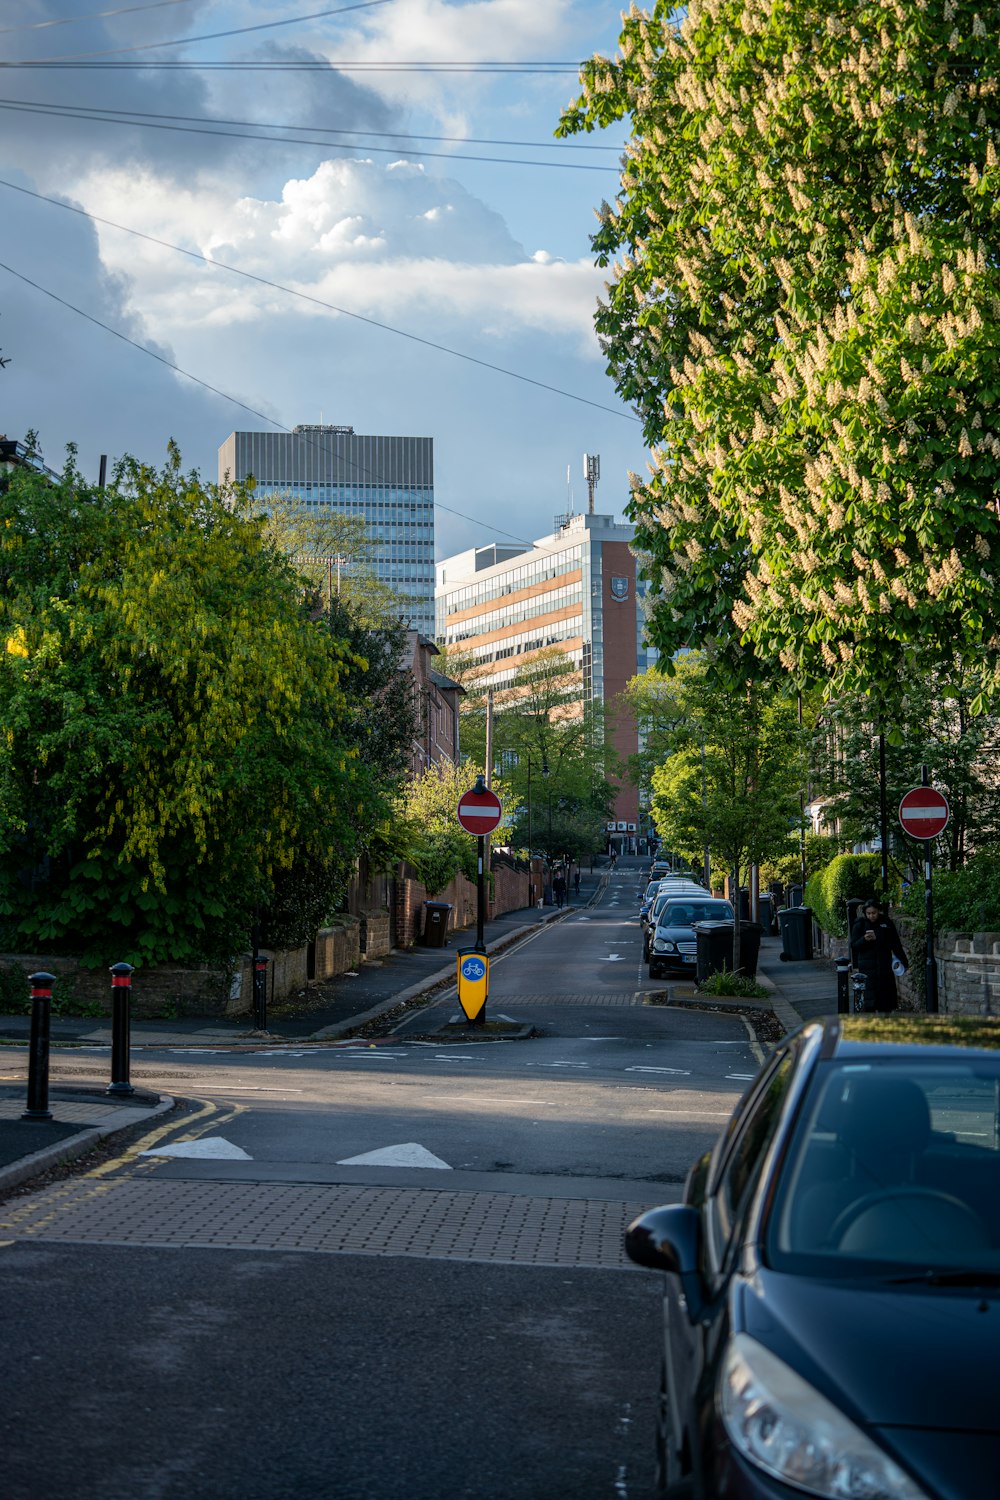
[(829, 890), (965, 900), (727, 983)]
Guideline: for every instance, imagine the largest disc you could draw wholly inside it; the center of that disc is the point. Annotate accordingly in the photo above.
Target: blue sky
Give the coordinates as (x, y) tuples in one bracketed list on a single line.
[(489, 259)]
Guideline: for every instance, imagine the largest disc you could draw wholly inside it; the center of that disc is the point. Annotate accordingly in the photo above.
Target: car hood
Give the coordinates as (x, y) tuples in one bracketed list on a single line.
[(923, 1359)]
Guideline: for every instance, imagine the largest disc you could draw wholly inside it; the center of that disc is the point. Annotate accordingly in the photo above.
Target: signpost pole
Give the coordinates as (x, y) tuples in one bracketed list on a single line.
[(924, 814), (930, 966), (479, 813), (481, 891)]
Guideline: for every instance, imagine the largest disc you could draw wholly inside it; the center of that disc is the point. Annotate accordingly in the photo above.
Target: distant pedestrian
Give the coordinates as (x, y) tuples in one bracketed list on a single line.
[(877, 951), (576, 883), (559, 889), (614, 860)]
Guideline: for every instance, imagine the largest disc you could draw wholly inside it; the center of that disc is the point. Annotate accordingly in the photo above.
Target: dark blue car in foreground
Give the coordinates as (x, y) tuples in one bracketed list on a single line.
[(832, 1287)]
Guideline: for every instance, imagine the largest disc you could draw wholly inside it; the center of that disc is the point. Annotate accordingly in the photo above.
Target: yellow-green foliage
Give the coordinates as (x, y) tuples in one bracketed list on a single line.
[(171, 747), (846, 876)]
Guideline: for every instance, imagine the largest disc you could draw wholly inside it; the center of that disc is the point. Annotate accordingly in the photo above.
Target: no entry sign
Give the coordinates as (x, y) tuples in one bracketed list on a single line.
[(480, 812), (924, 813)]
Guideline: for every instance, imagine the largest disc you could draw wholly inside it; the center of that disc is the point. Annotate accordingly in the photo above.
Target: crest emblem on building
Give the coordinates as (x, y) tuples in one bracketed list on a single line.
[(619, 588)]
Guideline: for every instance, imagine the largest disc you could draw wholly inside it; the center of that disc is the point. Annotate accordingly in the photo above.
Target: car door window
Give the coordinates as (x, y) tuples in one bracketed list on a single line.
[(751, 1139)]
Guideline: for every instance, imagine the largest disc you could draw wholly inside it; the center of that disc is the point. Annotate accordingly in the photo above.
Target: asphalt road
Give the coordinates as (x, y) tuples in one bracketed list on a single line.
[(247, 1309)]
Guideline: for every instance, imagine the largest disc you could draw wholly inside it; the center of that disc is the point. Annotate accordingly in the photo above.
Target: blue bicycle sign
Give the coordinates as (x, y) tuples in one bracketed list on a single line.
[(473, 968)]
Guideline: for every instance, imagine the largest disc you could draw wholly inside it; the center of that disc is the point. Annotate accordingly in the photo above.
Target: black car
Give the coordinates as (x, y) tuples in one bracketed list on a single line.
[(832, 1288)]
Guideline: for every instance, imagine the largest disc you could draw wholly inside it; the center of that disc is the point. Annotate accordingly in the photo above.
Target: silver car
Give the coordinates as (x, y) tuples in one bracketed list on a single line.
[(674, 943)]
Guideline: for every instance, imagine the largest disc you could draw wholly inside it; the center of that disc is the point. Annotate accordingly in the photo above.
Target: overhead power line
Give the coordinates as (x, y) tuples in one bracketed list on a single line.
[(224, 395), (278, 286), (215, 36), (309, 65), (82, 110), (102, 117), (95, 15)]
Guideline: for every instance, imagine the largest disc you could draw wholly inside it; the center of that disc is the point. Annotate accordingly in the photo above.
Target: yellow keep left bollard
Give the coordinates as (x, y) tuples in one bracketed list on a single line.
[(473, 978)]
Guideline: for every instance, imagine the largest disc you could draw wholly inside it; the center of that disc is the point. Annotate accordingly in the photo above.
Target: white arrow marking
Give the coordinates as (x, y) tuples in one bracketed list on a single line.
[(613, 958), (210, 1148), (409, 1155)]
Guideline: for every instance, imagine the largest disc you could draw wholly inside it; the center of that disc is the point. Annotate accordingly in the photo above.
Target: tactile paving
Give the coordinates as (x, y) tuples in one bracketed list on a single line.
[(329, 1219)]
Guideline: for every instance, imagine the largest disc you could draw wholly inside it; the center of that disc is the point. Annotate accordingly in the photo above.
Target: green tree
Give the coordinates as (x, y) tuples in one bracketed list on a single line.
[(173, 759), (546, 743), (805, 314), (336, 554), (733, 778), (436, 844), (935, 728)]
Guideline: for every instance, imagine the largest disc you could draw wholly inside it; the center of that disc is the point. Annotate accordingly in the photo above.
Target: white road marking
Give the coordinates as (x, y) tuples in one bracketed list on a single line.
[(742, 1077), (557, 1065), (408, 1155), (685, 1072), (251, 1088), (210, 1148), (486, 1099), (693, 1114), (613, 958)]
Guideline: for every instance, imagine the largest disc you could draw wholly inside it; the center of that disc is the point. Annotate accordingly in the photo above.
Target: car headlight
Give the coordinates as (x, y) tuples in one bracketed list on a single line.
[(662, 945), (782, 1424)]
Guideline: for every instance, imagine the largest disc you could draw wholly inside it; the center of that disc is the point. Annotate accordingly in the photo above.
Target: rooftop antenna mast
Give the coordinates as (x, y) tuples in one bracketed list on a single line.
[(591, 473)]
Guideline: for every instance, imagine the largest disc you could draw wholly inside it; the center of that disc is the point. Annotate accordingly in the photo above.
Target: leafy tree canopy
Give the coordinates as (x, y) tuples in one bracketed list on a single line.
[(173, 757), (734, 775), (805, 313)]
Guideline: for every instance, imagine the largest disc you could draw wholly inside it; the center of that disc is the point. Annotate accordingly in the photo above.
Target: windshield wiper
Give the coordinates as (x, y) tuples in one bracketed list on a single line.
[(934, 1277)]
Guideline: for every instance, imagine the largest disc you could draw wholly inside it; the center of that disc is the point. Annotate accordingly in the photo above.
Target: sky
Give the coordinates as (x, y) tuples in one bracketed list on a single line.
[(300, 262)]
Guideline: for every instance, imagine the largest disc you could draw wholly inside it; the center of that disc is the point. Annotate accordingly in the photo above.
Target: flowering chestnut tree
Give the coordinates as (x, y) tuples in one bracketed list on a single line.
[(805, 312)]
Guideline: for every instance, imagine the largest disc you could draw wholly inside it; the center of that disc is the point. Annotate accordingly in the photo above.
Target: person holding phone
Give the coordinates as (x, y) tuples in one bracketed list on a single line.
[(875, 942)]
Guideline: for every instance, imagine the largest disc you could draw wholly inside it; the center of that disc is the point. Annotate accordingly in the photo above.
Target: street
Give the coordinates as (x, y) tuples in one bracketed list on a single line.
[(374, 1270)]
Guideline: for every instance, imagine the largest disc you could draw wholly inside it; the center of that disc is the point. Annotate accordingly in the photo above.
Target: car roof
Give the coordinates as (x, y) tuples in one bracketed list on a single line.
[(902, 1033)]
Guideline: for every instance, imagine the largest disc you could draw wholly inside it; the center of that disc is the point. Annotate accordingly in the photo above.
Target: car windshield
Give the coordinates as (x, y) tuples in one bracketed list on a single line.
[(894, 1171), (678, 913)]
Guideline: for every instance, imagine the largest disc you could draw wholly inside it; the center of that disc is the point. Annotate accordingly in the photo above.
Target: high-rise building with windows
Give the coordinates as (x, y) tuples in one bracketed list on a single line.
[(575, 589), (387, 482)]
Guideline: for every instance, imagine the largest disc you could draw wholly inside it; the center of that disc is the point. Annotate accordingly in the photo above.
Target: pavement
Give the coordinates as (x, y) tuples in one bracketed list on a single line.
[(84, 1115)]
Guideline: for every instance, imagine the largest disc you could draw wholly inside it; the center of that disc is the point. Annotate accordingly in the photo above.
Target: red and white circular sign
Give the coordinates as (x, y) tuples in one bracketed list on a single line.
[(480, 812), (924, 812)]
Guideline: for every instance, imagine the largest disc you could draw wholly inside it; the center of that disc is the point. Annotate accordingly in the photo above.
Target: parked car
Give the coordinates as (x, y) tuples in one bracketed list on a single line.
[(648, 897), (672, 887), (832, 1276), (673, 943)]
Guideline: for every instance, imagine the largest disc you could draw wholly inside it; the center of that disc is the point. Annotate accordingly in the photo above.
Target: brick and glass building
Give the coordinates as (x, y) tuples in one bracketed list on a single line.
[(386, 482), (575, 589)]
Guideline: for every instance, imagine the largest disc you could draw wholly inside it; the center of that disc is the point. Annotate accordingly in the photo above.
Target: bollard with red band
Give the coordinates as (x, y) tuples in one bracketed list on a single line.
[(121, 1023), (38, 1055)]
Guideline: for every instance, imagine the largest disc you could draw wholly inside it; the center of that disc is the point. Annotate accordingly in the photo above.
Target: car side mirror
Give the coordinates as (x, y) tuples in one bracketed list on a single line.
[(669, 1239)]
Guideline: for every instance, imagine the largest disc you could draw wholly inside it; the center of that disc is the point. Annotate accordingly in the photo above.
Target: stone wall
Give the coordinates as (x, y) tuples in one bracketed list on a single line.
[(969, 973), (170, 991)]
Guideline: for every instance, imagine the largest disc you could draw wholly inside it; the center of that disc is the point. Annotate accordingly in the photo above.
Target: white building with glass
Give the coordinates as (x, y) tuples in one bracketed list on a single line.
[(386, 482)]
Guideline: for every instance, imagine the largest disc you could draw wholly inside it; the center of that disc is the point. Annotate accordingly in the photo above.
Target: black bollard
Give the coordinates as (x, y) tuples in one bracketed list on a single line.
[(843, 973), (38, 1055), (121, 997), (260, 993), (860, 984)]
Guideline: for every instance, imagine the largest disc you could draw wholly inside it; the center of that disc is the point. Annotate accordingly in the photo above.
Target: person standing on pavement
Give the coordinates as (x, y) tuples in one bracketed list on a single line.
[(559, 888), (576, 883), (874, 944)]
